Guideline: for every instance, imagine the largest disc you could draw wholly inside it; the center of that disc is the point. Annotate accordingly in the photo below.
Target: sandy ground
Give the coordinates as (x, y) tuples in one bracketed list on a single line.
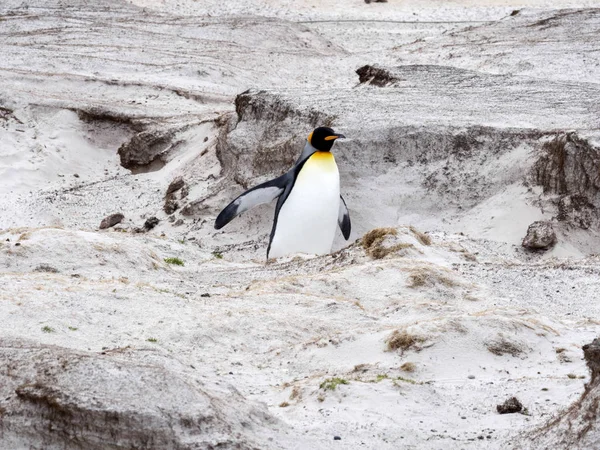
[(482, 319)]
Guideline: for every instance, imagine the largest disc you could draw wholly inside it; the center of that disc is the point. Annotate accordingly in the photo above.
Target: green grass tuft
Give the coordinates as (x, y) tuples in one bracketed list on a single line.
[(406, 380), (47, 329), (153, 340), (176, 261), (330, 384), (73, 328), (217, 255)]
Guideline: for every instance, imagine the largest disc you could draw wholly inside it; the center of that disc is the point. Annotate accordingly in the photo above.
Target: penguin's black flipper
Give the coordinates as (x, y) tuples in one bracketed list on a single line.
[(263, 193), (344, 219)]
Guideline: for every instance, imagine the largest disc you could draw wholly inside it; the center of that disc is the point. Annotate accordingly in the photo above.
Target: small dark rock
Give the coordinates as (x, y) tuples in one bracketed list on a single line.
[(111, 221), (206, 294), (206, 139), (151, 223), (45, 268), (515, 12), (170, 206), (184, 191), (175, 185), (145, 147), (375, 1), (374, 75), (510, 406), (337, 438), (76, 175), (178, 223), (540, 236)]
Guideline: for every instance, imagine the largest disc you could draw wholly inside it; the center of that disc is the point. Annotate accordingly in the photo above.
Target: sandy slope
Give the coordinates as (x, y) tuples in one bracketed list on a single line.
[(450, 146)]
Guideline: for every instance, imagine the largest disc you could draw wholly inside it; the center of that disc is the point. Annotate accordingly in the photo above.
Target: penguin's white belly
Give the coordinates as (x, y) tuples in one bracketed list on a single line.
[(308, 219)]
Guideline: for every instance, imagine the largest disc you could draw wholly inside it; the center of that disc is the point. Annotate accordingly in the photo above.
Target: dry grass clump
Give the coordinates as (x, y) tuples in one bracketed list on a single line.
[(421, 237), (296, 393), (423, 276), (401, 340), (408, 367), (503, 346), (376, 236), (373, 240)]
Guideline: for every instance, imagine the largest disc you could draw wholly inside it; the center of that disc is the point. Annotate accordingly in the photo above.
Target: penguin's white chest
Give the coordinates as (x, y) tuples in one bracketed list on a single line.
[(308, 219)]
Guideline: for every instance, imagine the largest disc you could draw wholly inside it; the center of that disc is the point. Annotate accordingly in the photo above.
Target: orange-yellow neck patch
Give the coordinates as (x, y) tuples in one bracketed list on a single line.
[(323, 160), (319, 164)]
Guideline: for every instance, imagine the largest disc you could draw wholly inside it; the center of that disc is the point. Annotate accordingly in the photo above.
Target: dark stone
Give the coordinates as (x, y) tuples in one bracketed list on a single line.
[(510, 406), (206, 294), (540, 236), (151, 223), (111, 221), (376, 76), (171, 206), (337, 438), (591, 352)]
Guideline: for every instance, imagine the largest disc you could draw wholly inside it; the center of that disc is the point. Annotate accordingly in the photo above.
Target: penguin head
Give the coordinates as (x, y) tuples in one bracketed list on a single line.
[(323, 138)]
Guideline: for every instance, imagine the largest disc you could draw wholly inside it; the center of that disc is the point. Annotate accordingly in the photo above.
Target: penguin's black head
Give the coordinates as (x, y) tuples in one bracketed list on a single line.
[(323, 138)]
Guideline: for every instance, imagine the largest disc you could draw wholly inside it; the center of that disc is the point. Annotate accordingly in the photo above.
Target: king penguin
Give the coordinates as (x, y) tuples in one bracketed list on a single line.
[(309, 206)]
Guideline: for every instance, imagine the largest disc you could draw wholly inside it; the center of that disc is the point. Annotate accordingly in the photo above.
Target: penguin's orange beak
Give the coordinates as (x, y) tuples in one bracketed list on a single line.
[(334, 136)]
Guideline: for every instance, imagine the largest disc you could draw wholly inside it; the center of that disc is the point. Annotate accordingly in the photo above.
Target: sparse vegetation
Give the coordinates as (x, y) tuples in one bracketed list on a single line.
[(423, 276), (373, 240), (73, 328), (381, 377), (405, 380), (217, 254), (503, 346), (421, 237), (284, 404), (47, 329), (153, 340), (175, 261), (401, 340), (296, 393), (408, 367), (572, 376), (45, 268), (330, 384)]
